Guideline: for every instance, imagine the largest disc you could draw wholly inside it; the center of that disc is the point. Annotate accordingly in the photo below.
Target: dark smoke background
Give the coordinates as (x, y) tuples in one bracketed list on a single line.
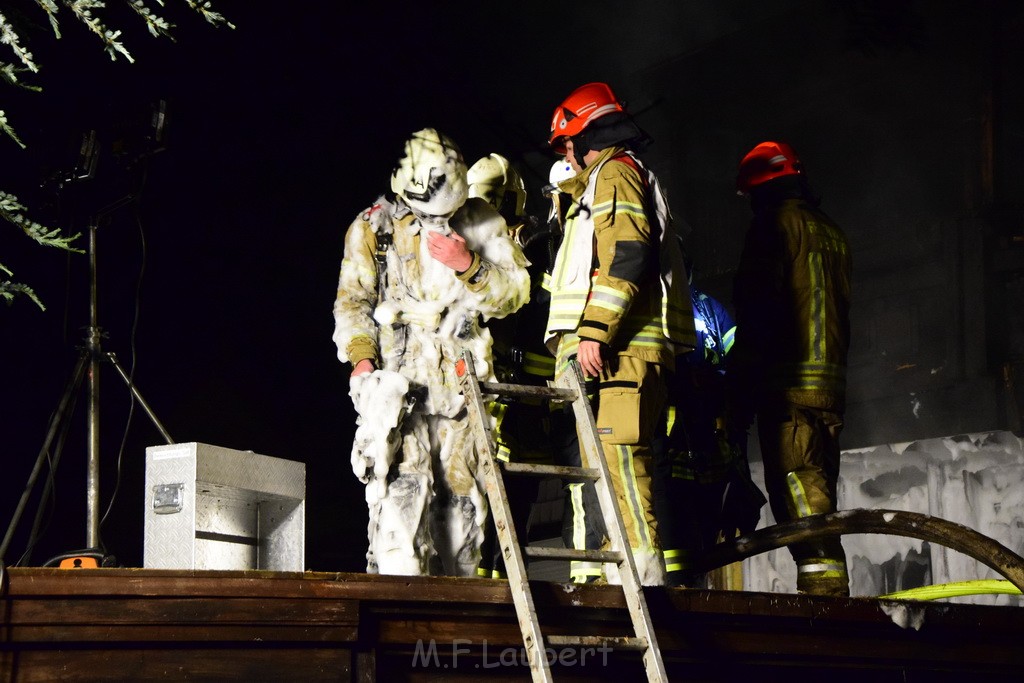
[(216, 284)]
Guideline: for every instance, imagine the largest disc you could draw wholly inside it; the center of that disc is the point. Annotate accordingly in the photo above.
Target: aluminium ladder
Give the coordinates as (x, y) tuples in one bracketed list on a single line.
[(568, 388)]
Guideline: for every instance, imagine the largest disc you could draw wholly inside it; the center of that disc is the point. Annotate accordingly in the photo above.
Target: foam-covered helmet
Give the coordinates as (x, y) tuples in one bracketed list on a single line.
[(767, 161), (582, 107), (493, 179), (431, 175)]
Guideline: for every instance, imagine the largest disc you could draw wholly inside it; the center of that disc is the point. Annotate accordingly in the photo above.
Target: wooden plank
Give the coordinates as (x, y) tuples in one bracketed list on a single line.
[(58, 634), (272, 665), (411, 632), (93, 619), (210, 583), (174, 610)]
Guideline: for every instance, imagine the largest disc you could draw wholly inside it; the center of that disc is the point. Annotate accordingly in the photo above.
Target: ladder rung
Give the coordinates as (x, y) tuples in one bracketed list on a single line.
[(544, 552), (614, 642), (527, 391), (568, 473)]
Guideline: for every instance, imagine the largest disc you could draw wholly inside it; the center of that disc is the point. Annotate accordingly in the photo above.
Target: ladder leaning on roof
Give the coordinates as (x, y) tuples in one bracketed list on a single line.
[(568, 388)]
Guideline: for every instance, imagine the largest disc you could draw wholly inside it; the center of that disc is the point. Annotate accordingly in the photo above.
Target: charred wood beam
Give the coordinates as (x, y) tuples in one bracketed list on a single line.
[(891, 522)]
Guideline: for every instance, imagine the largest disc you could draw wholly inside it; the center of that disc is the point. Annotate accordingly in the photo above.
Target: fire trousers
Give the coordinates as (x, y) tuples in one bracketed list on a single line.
[(628, 400), (800, 450)]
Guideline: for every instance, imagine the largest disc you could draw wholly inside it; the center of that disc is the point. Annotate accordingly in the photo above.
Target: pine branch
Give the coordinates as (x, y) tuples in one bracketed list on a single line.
[(82, 9), (9, 73), (50, 7), (8, 36), (158, 26), (206, 9), (10, 210), (6, 128), (9, 290)]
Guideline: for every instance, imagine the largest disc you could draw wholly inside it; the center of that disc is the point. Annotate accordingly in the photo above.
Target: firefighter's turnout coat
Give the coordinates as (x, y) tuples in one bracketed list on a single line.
[(415, 317), (792, 298), (619, 279)]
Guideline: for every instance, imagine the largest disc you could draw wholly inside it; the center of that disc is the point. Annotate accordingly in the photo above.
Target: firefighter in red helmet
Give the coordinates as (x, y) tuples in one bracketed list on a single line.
[(788, 364), (619, 298)]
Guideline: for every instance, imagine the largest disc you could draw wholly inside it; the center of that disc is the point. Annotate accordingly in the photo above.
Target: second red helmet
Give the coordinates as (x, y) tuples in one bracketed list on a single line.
[(765, 162)]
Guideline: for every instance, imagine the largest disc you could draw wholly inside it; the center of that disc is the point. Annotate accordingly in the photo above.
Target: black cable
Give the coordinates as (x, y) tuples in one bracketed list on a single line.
[(132, 346), (132, 339)]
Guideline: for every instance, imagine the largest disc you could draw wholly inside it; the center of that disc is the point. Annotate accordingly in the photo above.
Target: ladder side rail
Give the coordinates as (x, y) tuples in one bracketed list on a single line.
[(515, 568), (590, 443)]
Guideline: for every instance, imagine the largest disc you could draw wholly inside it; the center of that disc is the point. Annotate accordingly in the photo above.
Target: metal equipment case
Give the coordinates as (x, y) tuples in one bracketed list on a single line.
[(209, 507)]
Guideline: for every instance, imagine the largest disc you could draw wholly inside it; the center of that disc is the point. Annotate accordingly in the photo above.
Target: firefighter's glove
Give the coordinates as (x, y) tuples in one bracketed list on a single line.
[(741, 509)]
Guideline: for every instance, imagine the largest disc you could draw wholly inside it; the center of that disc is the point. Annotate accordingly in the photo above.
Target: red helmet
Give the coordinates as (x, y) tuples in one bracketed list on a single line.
[(585, 104), (766, 161)]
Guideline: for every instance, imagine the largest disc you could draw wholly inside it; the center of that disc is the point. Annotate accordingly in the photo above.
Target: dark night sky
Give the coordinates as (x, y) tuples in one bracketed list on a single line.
[(278, 133)]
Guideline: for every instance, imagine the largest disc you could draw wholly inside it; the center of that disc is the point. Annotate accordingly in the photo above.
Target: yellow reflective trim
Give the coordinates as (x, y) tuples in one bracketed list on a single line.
[(683, 472), (609, 295), (827, 560), (579, 525), (602, 208), (677, 559), (809, 367), (610, 291), (568, 315), (607, 305), (670, 418), (823, 567), (644, 338), (570, 230), (632, 494), (624, 208), (796, 490), (580, 571), (816, 325), (536, 364), (728, 339), (829, 239), (497, 410), (364, 271)]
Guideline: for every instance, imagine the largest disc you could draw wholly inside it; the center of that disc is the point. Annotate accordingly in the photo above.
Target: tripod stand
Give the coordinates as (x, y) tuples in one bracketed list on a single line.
[(90, 357)]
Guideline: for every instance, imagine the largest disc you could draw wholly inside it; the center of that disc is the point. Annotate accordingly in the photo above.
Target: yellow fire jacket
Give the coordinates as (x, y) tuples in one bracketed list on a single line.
[(619, 277), (792, 299), (409, 313)]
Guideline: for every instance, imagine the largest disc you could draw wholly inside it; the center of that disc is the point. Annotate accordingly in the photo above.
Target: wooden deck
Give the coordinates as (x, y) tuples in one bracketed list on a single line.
[(142, 625)]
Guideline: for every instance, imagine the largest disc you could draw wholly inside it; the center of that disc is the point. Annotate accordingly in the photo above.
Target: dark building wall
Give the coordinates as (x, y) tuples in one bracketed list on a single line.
[(906, 116)]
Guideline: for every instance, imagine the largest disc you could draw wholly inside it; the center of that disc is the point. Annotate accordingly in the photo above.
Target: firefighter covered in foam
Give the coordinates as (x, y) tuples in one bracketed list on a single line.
[(422, 268)]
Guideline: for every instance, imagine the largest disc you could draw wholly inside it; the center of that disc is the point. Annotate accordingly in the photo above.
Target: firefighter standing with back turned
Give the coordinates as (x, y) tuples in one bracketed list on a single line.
[(788, 363)]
